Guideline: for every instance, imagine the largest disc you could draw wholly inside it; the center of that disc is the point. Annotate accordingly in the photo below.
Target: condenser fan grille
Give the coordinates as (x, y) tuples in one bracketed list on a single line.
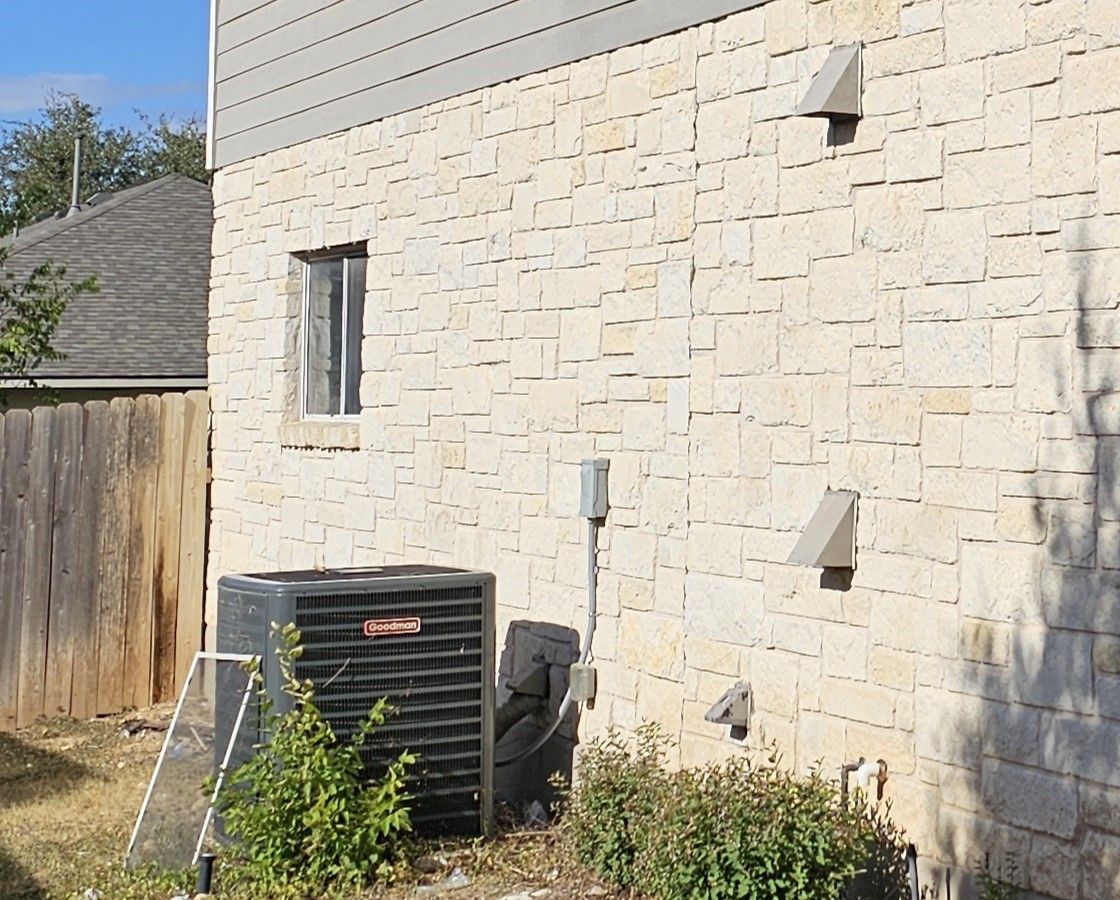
[(433, 678)]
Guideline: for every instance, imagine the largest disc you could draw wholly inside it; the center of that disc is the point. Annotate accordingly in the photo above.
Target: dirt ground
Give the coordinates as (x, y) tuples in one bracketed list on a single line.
[(70, 791)]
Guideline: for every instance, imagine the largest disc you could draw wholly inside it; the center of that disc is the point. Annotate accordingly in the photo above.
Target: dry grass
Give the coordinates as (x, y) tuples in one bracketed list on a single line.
[(69, 794), (70, 791)]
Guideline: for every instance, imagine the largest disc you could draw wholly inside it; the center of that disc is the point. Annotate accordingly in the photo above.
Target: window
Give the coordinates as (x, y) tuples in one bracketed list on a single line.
[(334, 289)]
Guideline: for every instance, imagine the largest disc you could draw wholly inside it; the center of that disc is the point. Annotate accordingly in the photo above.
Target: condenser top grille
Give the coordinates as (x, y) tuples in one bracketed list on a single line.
[(314, 576)]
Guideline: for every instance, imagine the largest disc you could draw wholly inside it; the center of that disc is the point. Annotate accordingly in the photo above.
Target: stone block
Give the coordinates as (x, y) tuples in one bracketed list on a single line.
[(844, 652), (985, 642), (1030, 798), (1100, 807), (652, 643), (1087, 80), (1052, 669), (858, 702), (822, 186), (885, 415), (889, 218), (1026, 68), (1001, 582), (1044, 377), (947, 354), (914, 626), (1011, 732), (1085, 746), (891, 668), (751, 183), (644, 426), (661, 701), (782, 400), (1106, 655), (952, 93), (988, 177), (723, 128), (661, 348), (1012, 440), (1110, 185), (746, 345), (916, 529), (941, 440), (786, 26), (955, 248), (914, 156), (1063, 157), (975, 29), (724, 609), (842, 289)]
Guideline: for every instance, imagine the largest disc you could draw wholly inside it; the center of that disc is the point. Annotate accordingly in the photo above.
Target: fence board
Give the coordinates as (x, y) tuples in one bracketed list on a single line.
[(64, 589), (36, 568), (192, 533), (103, 512), (144, 458), (84, 616), (168, 526), (13, 534), (116, 520)]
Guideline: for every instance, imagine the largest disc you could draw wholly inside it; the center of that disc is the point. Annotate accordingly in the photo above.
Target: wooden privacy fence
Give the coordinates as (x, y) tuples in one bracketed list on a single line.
[(102, 546)]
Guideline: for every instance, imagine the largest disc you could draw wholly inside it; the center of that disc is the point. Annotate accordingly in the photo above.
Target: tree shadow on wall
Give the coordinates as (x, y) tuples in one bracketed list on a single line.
[(1030, 737)]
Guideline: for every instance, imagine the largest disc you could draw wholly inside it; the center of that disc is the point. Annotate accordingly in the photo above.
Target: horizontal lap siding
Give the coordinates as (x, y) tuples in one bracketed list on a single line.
[(291, 70)]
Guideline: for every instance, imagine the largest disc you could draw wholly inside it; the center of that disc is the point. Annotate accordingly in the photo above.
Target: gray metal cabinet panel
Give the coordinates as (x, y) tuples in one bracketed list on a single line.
[(286, 74)]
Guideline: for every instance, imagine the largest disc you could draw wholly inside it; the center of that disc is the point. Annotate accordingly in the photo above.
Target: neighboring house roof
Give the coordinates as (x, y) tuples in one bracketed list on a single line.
[(149, 247)]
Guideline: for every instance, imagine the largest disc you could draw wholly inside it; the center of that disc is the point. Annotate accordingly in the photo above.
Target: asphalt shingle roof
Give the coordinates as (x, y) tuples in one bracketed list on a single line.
[(149, 247)]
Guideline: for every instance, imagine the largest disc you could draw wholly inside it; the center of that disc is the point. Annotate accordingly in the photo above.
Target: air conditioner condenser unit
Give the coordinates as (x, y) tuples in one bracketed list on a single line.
[(420, 636)]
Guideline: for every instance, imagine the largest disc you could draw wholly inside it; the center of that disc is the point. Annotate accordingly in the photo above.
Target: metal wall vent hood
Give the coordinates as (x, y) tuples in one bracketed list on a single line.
[(829, 540), (836, 91)]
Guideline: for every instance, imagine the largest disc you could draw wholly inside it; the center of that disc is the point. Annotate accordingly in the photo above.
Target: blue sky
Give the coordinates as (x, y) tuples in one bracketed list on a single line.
[(121, 55)]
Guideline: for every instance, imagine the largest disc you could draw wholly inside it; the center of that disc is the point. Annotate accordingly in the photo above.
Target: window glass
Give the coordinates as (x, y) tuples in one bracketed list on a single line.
[(355, 303), (322, 377)]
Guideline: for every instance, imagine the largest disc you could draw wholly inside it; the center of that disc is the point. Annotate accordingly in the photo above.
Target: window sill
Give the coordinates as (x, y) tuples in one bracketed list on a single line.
[(320, 435)]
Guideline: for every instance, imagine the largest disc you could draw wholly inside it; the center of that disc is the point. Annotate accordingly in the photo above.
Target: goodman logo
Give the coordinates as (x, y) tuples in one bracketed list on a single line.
[(386, 627)]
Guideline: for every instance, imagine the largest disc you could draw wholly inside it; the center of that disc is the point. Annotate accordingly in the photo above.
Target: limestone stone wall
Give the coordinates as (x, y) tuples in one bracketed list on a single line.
[(642, 256)]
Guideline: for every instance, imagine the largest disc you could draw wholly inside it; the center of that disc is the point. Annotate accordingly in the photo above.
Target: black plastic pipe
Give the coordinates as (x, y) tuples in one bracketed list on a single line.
[(206, 872)]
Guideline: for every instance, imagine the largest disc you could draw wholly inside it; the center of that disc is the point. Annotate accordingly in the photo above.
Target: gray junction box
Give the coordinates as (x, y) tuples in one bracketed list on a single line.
[(421, 636)]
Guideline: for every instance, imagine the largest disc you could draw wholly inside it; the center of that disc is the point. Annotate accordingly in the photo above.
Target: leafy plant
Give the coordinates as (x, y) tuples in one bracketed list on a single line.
[(305, 819), (730, 831), (618, 792), (30, 310), (992, 879)]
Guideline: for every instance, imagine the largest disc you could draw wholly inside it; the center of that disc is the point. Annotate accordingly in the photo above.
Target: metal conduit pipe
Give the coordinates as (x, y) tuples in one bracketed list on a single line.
[(584, 650)]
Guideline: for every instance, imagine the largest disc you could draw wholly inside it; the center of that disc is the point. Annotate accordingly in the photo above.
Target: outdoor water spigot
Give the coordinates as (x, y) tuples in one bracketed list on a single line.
[(864, 772)]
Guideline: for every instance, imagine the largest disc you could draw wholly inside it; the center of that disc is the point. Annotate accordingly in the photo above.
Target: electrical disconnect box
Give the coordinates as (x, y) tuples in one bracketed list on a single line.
[(593, 488)]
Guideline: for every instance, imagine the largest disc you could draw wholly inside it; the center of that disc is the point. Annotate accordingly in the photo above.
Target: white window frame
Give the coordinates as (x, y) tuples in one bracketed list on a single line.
[(305, 310)]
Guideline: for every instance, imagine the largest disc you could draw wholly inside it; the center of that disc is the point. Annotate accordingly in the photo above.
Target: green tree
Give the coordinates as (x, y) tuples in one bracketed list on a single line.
[(30, 310), (36, 157)]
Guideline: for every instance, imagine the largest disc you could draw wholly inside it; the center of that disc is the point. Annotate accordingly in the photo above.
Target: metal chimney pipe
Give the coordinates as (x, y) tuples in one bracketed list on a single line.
[(75, 206)]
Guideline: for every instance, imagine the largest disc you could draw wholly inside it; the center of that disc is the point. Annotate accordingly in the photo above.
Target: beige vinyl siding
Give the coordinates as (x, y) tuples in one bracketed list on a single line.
[(290, 70)]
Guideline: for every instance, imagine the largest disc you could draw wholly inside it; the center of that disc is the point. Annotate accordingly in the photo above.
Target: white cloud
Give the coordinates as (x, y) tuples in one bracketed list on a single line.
[(26, 93)]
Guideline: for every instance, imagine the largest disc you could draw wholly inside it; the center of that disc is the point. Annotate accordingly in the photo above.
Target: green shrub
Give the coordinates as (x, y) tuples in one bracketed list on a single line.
[(732, 831), (299, 807)]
